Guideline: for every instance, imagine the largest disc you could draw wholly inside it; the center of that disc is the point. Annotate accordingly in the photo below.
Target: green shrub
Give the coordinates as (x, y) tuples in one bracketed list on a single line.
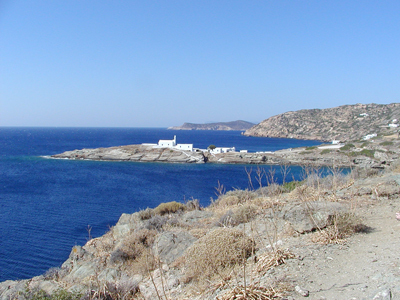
[(311, 148), (287, 187), (365, 152), (304, 152), (347, 147), (326, 151), (386, 143)]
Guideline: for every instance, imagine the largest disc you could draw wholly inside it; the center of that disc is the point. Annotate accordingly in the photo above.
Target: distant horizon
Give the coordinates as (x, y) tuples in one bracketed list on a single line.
[(177, 125)]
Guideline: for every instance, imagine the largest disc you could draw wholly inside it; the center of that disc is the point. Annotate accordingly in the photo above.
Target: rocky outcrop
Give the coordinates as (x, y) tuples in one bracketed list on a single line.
[(138, 153), (234, 125), (348, 122)]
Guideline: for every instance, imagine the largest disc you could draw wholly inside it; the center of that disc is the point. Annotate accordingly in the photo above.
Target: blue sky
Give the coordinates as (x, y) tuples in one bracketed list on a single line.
[(162, 63)]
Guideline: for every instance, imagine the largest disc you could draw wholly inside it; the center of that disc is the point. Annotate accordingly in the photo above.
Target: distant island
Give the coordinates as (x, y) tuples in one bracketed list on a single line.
[(234, 125), (344, 123)]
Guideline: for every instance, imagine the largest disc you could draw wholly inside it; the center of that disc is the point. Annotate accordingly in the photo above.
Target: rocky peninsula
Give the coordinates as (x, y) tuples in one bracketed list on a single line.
[(376, 153)]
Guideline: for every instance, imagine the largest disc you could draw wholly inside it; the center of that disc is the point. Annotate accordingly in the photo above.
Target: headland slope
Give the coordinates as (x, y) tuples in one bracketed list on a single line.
[(345, 123)]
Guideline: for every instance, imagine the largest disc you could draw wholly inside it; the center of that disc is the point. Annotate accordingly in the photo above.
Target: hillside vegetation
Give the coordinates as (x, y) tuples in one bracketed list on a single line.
[(347, 122), (323, 238)]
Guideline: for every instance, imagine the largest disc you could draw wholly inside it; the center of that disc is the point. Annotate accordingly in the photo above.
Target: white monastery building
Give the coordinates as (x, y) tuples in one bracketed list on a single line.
[(174, 145), (189, 147)]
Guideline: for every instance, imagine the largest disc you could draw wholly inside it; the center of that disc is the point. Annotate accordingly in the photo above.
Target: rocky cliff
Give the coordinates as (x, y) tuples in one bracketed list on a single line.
[(234, 125), (348, 122)]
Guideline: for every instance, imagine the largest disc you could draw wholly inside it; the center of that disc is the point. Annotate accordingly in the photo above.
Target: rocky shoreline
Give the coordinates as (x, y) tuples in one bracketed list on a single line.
[(379, 153)]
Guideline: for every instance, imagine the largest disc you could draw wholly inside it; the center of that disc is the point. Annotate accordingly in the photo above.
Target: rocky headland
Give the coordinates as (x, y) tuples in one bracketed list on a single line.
[(345, 123), (234, 125)]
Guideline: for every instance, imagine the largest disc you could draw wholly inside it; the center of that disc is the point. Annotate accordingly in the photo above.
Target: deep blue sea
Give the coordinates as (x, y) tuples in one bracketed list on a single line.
[(46, 205)]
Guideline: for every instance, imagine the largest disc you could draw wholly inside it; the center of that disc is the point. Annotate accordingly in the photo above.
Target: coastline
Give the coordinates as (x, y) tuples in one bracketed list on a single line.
[(376, 156)]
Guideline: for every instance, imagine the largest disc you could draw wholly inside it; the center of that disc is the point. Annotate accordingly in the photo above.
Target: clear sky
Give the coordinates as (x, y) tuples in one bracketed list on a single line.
[(161, 63)]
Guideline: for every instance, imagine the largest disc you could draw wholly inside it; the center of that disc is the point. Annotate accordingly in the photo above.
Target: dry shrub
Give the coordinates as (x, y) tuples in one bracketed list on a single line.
[(193, 204), (272, 259), (226, 200), (241, 214), (146, 214), (243, 195), (219, 249), (198, 232), (252, 292), (169, 208), (156, 222), (134, 245), (120, 290), (305, 193), (271, 190), (342, 226)]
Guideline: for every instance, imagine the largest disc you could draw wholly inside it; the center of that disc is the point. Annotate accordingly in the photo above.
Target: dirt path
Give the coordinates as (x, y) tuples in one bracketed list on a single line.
[(366, 267)]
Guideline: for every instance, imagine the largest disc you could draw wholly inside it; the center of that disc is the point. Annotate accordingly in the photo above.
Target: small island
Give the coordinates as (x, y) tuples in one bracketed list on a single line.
[(234, 125)]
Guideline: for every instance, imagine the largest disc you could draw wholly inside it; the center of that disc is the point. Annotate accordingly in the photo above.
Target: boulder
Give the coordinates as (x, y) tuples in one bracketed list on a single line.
[(172, 245), (309, 216)]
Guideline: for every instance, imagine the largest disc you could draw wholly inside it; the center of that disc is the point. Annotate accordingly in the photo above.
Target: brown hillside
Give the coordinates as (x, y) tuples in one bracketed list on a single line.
[(347, 122)]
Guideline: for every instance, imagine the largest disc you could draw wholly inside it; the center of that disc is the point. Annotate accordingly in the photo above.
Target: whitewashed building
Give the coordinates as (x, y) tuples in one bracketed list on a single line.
[(369, 136), (218, 150), (173, 145)]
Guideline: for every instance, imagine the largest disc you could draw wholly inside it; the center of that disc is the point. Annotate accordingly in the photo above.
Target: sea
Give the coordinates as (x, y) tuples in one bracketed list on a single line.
[(47, 206)]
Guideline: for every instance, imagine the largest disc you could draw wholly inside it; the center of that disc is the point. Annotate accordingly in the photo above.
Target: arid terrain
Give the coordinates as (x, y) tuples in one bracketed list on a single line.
[(323, 238), (345, 123)]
